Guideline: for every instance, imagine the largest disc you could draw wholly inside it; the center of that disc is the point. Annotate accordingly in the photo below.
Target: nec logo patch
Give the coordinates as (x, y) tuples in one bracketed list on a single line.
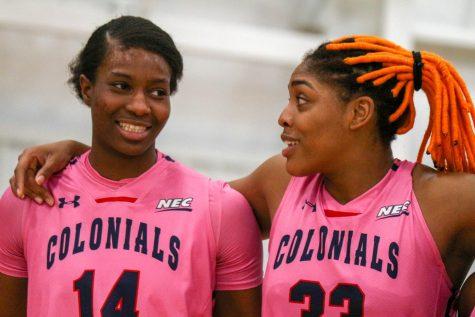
[(178, 204), (393, 210), (75, 202)]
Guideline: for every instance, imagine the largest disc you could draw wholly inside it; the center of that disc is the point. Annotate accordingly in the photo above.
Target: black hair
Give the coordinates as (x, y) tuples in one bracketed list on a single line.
[(128, 32), (329, 67)]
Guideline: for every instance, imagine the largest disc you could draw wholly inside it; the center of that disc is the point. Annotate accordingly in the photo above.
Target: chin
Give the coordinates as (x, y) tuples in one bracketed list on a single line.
[(132, 150), (294, 168), (301, 167)]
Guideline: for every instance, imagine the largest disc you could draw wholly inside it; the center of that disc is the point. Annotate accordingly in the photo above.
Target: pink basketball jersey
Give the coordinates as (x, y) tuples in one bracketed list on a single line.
[(373, 256), (155, 245)]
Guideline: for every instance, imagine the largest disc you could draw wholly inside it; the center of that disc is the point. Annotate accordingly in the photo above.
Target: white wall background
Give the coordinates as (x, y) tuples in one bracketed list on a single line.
[(238, 57)]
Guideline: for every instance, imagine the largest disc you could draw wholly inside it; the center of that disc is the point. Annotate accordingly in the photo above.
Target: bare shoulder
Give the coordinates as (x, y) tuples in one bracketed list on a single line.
[(264, 188), (274, 179), (266, 181), (456, 190), (273, 172), (447, 201)]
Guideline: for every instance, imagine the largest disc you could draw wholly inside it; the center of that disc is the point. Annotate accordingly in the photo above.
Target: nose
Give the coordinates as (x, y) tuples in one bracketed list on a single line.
[(285, 118), (138, 105)]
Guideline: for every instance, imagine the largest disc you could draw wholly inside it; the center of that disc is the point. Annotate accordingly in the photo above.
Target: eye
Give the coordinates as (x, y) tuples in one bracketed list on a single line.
[(120, 85), (301, 100), (159, 93)]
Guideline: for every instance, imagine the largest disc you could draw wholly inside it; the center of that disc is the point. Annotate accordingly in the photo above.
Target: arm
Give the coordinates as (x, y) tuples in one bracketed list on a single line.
[(13, 291), (467, 297), (238, 303), (238, 254), (35, 165), (13, 268), (461, 207), (264, 189), (447, 202)]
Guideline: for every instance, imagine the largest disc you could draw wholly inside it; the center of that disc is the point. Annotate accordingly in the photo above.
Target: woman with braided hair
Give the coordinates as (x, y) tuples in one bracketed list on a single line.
[(355, 232)]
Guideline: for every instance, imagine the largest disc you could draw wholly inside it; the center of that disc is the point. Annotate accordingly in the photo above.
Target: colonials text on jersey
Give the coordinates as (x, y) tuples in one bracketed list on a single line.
[(113, 233), (347, 246)]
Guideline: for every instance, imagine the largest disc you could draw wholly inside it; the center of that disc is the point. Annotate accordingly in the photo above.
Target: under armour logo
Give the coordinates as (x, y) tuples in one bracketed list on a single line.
[(308, 203), (63, 201), (73, 161)]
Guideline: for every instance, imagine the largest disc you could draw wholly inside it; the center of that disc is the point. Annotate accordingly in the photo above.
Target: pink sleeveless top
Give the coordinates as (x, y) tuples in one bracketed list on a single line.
[(373, 256)]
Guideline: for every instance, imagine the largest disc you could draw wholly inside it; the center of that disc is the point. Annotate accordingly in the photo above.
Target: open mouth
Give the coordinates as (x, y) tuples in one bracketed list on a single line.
[(290, 143), (136, 131), (132, 127)]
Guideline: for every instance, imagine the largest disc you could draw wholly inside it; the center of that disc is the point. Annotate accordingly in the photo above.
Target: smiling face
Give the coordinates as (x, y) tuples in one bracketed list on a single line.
[(315, 125), (129, 100)]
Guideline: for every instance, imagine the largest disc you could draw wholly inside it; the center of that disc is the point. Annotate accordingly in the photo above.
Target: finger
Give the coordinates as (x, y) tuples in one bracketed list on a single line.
[(45, 195), (51, 166), (13, 186), (19, 179), (33, 164), (40, 193), (29, 185), (30, 194), (24, 161)]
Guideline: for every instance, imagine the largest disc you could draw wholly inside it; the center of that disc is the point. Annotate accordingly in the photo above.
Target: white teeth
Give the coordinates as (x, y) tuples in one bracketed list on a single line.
[(291, 143), (131, 127)]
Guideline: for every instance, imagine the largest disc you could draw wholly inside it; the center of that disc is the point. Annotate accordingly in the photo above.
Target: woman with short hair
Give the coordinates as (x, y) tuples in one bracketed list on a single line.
[(134, 232)]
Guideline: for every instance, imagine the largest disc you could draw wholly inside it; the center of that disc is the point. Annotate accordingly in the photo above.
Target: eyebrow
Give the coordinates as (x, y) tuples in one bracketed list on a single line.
[(155, 80), (298, 82)]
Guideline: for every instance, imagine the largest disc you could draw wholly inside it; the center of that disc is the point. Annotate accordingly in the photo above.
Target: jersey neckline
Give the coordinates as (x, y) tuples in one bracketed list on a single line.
[(97, 178), (328, 200)]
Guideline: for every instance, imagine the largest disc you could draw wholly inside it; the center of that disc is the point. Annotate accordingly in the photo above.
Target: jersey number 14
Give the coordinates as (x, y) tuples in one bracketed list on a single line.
[(122, 299)]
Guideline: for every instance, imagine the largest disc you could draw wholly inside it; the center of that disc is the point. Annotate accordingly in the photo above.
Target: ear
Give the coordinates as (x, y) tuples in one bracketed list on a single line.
[(361, 111), (86, 89)]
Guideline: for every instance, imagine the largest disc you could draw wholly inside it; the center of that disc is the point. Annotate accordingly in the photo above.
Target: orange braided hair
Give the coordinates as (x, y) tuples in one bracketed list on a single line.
[(449, 137)]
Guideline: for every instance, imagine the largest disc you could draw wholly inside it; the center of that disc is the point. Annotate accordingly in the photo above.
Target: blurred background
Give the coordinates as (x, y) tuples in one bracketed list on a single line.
[(238, 57)]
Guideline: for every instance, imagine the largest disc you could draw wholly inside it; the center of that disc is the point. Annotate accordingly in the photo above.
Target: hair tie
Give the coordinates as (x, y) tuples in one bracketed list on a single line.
[(417, 69)]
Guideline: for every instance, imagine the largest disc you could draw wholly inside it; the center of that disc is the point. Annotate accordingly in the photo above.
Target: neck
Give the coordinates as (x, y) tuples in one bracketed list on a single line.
[(354, 177), (116, 166)]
